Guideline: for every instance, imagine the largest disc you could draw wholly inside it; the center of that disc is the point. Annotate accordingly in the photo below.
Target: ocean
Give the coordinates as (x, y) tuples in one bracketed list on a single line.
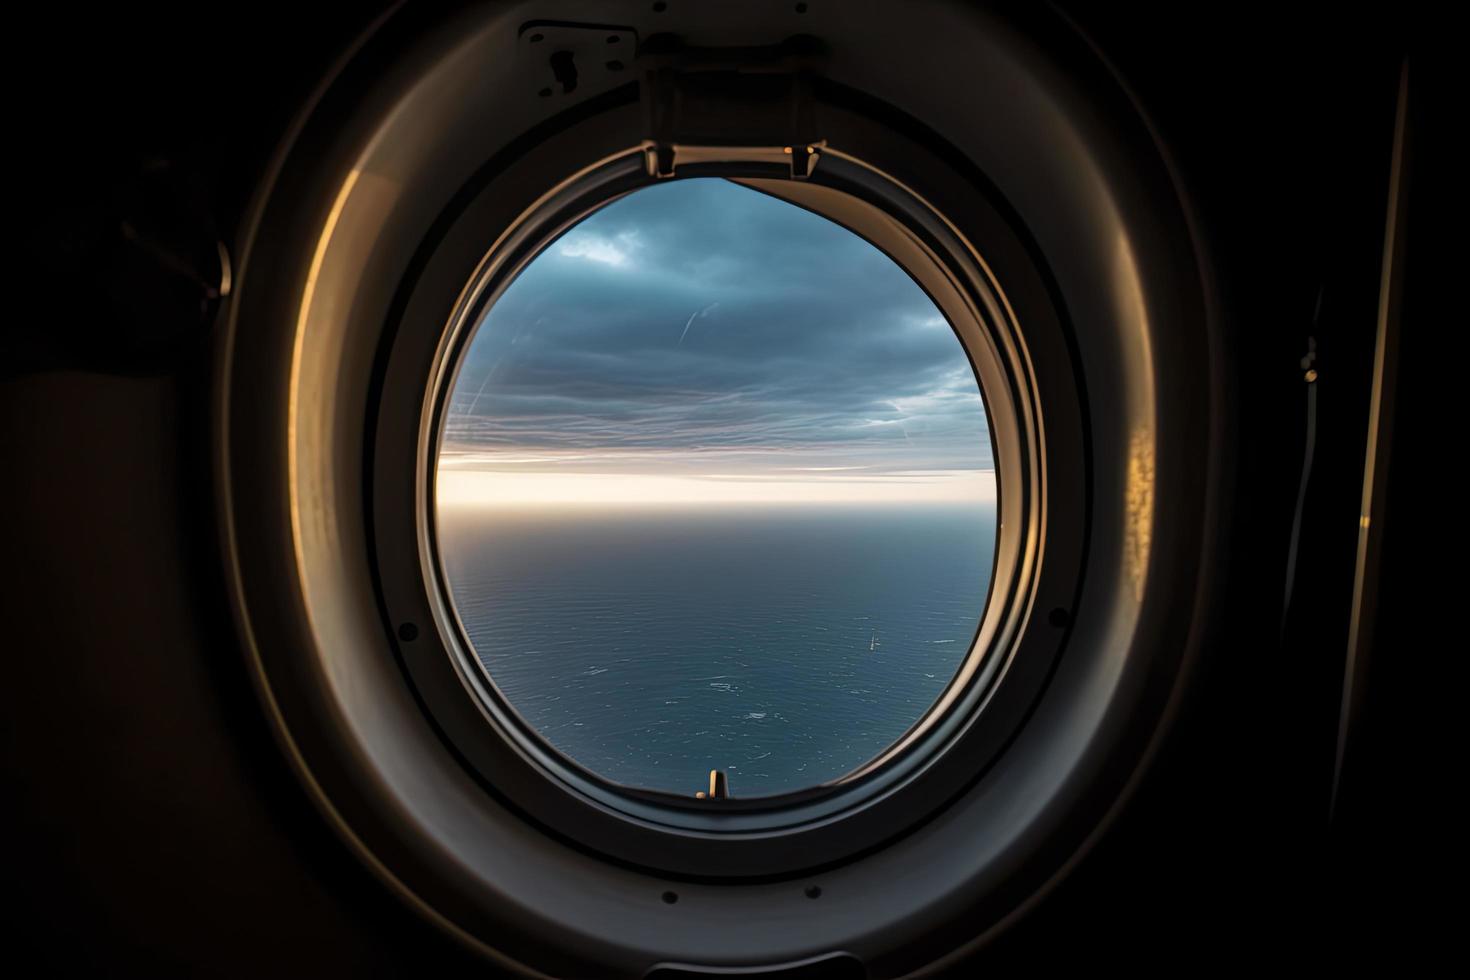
[(787, 646)]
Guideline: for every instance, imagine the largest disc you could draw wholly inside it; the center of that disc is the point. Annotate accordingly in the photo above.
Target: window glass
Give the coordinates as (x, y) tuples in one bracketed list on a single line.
[(715, 491)]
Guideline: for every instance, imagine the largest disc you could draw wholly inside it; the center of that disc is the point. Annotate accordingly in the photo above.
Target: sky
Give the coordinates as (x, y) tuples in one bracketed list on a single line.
[(698, 342)]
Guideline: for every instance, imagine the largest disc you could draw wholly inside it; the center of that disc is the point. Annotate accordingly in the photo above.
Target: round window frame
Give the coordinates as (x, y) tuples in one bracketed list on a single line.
[(332, 235), (763, 837), (978, 670)]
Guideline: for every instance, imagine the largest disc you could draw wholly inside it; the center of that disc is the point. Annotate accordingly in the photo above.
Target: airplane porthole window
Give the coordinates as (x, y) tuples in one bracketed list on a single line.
[(514, 347), (508, 488)]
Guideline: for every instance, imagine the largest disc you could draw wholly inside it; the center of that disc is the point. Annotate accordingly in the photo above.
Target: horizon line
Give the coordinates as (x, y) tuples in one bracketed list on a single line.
[(487, 488)]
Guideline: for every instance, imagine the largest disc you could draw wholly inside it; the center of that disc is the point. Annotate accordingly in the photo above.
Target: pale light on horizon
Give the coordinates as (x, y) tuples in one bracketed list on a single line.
[(480, 488)]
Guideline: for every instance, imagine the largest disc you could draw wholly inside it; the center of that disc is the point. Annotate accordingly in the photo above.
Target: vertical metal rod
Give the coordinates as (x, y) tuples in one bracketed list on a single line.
[(1380, 429)]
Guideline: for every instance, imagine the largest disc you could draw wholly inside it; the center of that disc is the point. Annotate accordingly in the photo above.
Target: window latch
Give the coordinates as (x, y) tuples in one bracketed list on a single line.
[(719, 787)]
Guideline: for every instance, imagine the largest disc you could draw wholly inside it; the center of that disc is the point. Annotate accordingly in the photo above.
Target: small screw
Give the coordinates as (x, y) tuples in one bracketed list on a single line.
[(537, 38), (801, 8), (408, 632), (1311, 375), (670, 898), (813, 891)]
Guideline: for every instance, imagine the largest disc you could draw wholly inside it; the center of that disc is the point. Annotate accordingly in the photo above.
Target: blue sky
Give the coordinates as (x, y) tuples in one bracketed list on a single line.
[(699, 341)]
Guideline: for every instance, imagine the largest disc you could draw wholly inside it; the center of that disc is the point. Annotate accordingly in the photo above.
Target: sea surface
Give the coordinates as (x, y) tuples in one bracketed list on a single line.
[(785, 646)]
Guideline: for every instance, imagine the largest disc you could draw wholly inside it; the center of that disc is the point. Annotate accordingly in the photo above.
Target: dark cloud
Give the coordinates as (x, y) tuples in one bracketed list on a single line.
[(705, 325)]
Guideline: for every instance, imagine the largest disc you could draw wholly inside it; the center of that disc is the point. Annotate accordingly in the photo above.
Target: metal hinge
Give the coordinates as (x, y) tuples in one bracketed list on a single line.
[(707, 107)]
